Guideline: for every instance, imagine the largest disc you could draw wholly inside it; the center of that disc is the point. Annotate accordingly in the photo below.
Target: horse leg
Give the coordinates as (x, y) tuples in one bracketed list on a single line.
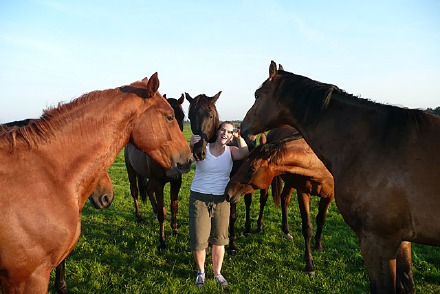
[(232, 249), (161, 213), (324, 203), (174, 197), (37, 282), (146, 188), (304, 208), (132, 179), (60, 278), (286, 194), (380, 260), (263, 200), (248, 203), (404, 276)]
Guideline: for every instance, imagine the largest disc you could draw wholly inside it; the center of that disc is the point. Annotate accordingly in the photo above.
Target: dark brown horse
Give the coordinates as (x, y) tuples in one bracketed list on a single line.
[(288, 155), (57, 157), (100, 198), (151, 179), (384, 160), (204, 119)]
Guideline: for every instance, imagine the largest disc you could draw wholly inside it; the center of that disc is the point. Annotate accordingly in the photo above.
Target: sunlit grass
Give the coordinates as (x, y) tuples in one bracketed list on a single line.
[(115, 254)]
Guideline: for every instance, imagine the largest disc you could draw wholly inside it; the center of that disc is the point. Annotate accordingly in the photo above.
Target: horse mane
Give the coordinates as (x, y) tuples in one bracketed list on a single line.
[(312, 98), (38, 131), (274, 151)]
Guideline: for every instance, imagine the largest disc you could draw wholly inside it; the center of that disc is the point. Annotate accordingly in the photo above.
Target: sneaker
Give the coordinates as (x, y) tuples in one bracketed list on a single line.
[(221, 280), (200, 280)]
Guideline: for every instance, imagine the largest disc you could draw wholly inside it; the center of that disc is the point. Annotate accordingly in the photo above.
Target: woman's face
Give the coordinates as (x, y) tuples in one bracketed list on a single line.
[(224, 135)]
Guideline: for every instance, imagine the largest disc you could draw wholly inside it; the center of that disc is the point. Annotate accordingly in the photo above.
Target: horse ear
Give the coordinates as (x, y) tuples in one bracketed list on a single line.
[(272, 70), (164, 96), (153, 85), (181, 99), (216, 96), (280, 67), (189, 98)]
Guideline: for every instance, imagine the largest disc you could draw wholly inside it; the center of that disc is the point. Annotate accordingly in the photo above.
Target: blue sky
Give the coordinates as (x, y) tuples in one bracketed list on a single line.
[(55, 51)]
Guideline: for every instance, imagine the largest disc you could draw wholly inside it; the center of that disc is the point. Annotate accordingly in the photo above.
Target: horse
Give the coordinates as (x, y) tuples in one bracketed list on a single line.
[(384, 160), (204, 119), (57, 158), (151, 179), (101, 197), (286, 154)]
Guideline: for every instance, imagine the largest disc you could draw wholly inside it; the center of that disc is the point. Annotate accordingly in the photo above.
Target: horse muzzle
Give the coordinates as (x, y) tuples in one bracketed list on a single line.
[(101, 202)]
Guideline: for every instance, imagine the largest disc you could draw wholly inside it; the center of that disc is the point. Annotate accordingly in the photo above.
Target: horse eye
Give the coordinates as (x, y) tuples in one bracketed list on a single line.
[(170, 117)]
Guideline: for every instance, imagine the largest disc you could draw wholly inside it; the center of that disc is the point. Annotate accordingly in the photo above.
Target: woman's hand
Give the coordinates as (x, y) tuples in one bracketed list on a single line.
[(236, 133), (194, 139)]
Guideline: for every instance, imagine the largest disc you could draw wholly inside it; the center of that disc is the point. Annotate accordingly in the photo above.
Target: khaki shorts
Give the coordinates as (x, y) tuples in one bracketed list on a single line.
[(208, 220)]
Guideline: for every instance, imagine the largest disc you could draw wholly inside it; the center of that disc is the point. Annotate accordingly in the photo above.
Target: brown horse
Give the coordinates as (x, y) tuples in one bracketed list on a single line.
[(384, 160), (152, 178), (57, 157), (204, 119), (288, 155), (100, 198)]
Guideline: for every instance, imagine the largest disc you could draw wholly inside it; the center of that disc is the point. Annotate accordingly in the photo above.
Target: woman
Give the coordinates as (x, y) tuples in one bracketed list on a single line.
[(208, 208)]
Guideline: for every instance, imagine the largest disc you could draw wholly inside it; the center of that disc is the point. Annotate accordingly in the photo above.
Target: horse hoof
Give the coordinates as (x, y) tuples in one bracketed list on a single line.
[(232, 252), (175, 233), (311, 273), (162, 247), (140, 220), (247, 234), (288, 237)]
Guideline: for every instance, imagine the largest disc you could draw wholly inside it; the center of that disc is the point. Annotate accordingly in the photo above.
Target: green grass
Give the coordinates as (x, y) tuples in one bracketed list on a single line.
[(116, 255)]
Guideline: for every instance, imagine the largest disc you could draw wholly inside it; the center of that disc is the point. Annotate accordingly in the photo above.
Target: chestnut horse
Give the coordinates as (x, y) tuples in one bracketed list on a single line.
[(57, 157), (288, 155), (384, 160), (100, 198), (152, 178)]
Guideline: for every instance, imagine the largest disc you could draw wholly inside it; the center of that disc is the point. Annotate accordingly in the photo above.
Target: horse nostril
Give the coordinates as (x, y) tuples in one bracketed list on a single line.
[(104, 200)]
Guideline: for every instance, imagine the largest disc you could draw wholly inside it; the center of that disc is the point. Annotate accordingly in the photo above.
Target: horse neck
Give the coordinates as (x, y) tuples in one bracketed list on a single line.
[(88, 140), (341, 132)]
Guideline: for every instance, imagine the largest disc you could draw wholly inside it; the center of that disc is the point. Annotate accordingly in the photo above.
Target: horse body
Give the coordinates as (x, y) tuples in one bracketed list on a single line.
[(41, 209), (100, 198), (384, 160), (287, 155), (151, 179)]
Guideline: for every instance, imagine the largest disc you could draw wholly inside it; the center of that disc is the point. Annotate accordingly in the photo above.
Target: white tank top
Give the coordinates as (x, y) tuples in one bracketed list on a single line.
[(212, 174)]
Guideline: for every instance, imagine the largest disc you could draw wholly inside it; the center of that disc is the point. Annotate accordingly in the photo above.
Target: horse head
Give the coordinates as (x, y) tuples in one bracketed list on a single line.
[(204, 121), (155, 129), (176, 104)]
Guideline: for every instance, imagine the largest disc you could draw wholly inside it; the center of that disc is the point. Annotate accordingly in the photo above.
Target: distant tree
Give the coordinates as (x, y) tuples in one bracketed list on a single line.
[(434, 111)]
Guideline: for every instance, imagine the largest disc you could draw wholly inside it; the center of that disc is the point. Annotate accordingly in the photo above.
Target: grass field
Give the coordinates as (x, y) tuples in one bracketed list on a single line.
[(116, 255)]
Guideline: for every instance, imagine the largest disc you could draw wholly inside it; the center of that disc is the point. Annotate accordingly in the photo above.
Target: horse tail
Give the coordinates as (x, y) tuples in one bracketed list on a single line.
[(277, 187)]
